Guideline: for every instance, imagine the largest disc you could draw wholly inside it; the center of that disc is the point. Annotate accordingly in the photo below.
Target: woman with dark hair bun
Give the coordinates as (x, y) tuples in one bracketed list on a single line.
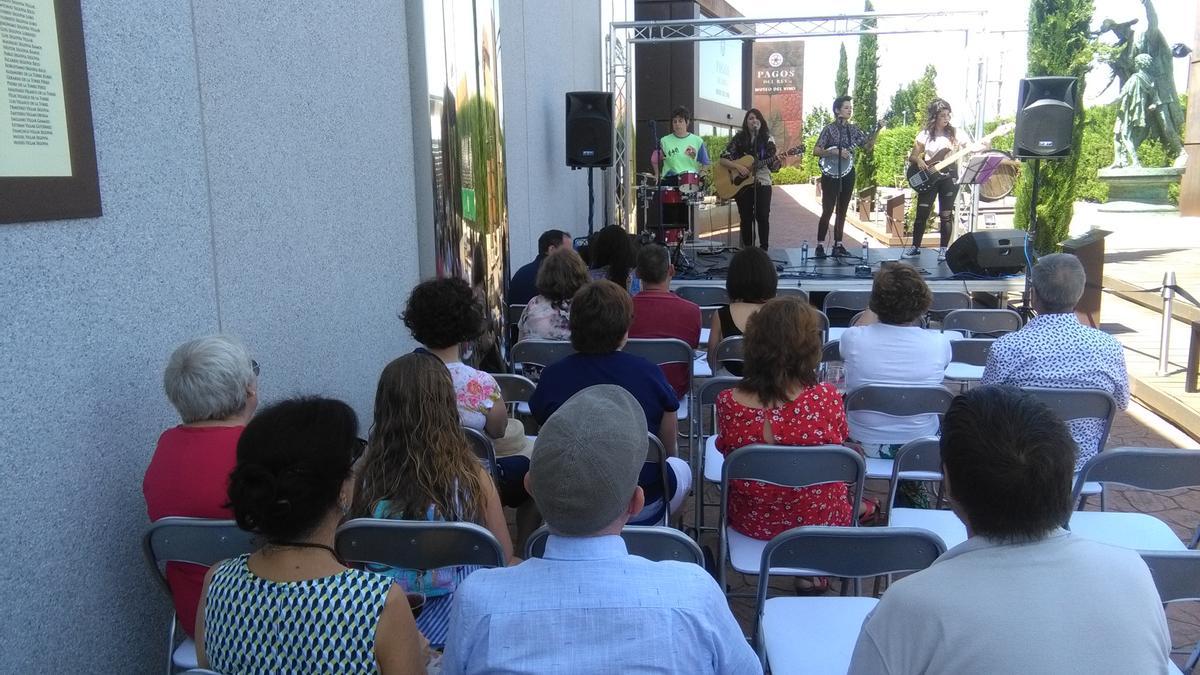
[(613, 257), (293, 606)]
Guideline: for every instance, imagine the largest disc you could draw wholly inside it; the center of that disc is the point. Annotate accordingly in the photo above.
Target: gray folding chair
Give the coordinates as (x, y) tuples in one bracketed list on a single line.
[(730, 349), (831, 351), (840, 306), (703, 295), (921, 460), (968, 357), (417, 544), (652, 543), (540, 352), (982, 322), (1177, 578), (514, 319), (945, 302), (790, 292), (795, 466), (817, 635), (482, 446), (200, 541), (516, 389), (1073, 404), (707, 312), (710, 459), (662, 352), (1142, 468), (897, 401), (656, 454)]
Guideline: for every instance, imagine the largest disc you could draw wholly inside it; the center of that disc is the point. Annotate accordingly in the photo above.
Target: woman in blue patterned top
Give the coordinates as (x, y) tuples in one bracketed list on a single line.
[(419, 466), (293, 607)]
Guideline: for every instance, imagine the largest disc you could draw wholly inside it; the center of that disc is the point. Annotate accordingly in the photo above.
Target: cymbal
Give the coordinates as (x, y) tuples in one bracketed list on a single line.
[(647, 176)]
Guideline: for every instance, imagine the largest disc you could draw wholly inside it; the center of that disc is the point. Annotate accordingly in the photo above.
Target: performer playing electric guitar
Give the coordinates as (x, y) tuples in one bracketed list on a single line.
[(753, 200), (836, 146), (937, 138)]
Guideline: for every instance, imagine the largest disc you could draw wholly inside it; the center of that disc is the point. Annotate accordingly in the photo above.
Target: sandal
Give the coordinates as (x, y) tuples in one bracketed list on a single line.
[(869, 511), (812, 585)]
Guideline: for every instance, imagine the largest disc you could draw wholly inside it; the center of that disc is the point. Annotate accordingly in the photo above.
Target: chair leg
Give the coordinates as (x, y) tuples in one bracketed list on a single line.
[(1190, 665), (1195, 538), (1103, 505), (171, 645), (1082, 502)]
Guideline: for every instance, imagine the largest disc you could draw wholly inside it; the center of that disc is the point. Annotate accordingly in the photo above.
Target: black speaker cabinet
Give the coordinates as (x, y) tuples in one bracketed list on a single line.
[(1045, 117), (589, 129), (988, 252)]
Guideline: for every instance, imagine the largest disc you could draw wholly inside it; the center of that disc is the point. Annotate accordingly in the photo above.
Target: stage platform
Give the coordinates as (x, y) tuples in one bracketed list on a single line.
[(834, 274)]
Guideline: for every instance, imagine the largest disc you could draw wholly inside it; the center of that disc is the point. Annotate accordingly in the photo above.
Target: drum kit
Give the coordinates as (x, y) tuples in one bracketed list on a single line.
[(676, 195)]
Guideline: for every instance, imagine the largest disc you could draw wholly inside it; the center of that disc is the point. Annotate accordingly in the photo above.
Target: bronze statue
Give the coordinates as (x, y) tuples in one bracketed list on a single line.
[(1149, 103)]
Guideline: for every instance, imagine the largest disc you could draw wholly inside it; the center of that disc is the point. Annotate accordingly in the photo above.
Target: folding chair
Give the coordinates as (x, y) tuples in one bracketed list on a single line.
[(795, 466), (662, 352), (706, 315), (945, 302), (730, 349), (704, 295), (922, 460), (200, 541), (417, 544), (652, 543), (789, 292), (482, 446), (967, 359), (896, 401), (514, 319), (710, 459), (1142, 468), (817, 635), (516, 390), (982, 322), (540, 352), (831, 351), (1073, 404), (1177, 577), (656, 454), (840, 306)]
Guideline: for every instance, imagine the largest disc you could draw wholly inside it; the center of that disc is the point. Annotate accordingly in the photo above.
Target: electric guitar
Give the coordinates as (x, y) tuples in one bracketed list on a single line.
[(923, 181), (727, 182), (837, 166)]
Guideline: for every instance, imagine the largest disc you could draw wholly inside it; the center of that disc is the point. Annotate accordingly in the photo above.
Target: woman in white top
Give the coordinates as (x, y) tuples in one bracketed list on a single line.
[(936, 139), (895, 349)]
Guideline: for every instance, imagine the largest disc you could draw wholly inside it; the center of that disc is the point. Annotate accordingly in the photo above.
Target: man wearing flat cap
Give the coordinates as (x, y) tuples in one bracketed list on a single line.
[(588, 606)]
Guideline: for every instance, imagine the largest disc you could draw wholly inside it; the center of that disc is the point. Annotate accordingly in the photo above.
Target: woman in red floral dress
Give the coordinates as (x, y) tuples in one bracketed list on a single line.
[(780, 402)]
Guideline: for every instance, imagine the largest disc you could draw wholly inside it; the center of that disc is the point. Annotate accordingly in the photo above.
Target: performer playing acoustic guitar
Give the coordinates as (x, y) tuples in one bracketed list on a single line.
[(937, 139), (836, 146), (753, 200), (681, 153)]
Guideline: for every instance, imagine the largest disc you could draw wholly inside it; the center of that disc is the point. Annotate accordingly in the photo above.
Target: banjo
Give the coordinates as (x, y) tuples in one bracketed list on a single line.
[(838, 166)]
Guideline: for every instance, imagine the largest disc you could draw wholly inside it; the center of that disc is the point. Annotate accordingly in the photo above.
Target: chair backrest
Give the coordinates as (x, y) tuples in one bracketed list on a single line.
[(515, 388), (850, 301), (831, 351), (1074, 404), (202, 541), (707, 312), (971, 350), (482, 446), (704, 295), (947, 301), (982, 322), (713, 386), (652, 543), (417, 545), (514, 313), (900, 400), (730, 349), (660, 351), (541, 352), (789, 292), (1176, 574), (795, 466), (920, 458), (1144, 468), (656, 454)]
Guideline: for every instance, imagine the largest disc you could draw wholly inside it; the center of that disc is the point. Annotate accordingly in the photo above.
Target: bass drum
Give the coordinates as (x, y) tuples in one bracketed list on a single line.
[(1002, 181)]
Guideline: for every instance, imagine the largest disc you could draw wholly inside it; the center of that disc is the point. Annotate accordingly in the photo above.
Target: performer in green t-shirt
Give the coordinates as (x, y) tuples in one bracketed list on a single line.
[(679, 152)]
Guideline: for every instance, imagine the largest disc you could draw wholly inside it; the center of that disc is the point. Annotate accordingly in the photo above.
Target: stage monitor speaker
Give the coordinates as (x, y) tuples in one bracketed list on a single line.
[(988, 252), (589, 129), (1045, 117)]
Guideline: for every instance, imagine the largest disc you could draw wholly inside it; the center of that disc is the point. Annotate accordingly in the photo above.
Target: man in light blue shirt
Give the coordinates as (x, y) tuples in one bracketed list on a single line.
[(588, 606)]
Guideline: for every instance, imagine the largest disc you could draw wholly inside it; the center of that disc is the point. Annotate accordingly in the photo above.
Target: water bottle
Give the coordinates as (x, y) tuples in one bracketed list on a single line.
[(804, 252), (866, 248)]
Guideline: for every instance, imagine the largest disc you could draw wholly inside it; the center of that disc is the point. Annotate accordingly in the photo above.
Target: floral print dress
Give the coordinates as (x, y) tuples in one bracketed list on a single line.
[(760, 509)]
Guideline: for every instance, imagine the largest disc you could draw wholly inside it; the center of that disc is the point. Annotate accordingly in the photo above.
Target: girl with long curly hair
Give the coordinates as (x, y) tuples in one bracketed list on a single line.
[(419, 466)]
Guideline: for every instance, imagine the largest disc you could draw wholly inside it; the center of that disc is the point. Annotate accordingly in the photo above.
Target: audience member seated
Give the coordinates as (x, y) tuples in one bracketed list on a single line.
[(659, 313), (751, 281), (442, 314), (600, 316), (780, 402), (213, 383), (419, 466), (613, 257), (1021, 595), (588, 606), (293, 607), (1055, 350), (523, 285), (894, 349), (547, 315)]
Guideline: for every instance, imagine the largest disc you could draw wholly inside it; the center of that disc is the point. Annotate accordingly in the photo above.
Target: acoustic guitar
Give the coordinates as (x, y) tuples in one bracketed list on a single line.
[(923, 181), (727, 183)]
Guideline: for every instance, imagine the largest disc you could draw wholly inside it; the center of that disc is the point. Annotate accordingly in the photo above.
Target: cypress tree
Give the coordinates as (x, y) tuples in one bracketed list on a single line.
[(866, 89), (1058, 45), (841, 83)]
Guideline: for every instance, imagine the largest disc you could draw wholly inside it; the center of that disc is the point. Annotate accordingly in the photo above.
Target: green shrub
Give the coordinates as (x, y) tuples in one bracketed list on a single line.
[(866, 94), (891, 153)]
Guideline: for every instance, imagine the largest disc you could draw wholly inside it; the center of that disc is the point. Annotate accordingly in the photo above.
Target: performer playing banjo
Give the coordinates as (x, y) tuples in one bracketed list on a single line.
[(680, 157), (937, 139), (835, 146)]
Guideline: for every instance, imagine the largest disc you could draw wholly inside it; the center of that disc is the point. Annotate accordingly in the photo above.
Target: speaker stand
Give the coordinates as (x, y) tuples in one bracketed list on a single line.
[(1030, 236), (591, 204)]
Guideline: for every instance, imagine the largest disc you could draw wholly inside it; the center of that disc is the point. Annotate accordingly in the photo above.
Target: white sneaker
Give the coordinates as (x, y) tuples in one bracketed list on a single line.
[(912, 252), (941, 254)]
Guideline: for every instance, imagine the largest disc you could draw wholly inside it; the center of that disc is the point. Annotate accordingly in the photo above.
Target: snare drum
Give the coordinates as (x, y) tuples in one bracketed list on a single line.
[(689, 182), (670, 195)]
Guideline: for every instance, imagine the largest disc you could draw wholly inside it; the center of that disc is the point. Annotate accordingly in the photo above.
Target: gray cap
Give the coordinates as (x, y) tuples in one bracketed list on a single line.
[(587, 458)]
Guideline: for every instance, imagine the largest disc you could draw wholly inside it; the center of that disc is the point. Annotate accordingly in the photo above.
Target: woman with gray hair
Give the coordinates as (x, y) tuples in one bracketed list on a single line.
[(213, 383)]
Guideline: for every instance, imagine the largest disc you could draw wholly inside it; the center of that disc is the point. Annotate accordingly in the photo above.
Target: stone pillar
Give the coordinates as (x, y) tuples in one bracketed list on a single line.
[(1189, 189)]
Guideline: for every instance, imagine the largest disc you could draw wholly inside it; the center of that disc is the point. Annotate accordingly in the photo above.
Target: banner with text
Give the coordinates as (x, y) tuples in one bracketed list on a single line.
[(777, 89)]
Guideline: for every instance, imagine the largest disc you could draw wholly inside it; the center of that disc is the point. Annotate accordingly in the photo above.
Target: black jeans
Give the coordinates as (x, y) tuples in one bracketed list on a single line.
[(834, 191), (945, 191), (754, 204)]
